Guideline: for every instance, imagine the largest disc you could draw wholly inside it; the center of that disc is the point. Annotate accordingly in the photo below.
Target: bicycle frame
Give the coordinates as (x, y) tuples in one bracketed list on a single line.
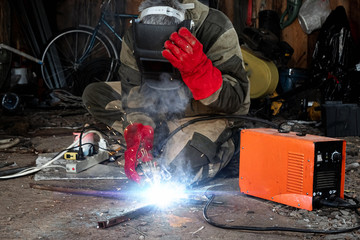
[(63, 69), (102, 21)]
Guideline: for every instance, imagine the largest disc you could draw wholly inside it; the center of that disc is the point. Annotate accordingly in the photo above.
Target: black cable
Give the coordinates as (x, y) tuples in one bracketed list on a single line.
[(338, 203), (81, 154), (102, 132), (93, 148), (213, 117), (282, 229)]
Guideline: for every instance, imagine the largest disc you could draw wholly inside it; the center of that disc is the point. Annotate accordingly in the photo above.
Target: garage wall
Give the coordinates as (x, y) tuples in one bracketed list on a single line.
[(302, 43), (73, 12), (5, 22)]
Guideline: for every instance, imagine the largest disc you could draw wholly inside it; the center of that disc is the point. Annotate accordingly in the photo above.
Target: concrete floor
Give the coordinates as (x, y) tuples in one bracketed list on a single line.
[(30, 213)]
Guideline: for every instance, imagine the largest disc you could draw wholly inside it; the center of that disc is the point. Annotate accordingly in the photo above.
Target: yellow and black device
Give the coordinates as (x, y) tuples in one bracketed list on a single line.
[(71, 155), (290, 168)]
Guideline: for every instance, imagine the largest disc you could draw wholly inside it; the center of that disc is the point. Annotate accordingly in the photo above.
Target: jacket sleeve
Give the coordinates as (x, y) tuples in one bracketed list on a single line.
[(132, 101), (221, 45)]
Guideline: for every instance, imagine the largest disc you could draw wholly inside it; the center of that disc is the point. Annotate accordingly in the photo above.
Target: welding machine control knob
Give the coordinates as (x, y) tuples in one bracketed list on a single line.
[(336, 156)]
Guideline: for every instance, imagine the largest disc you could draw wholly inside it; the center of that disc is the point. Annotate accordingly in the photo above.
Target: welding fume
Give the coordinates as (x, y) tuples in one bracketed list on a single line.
[(180, 61)]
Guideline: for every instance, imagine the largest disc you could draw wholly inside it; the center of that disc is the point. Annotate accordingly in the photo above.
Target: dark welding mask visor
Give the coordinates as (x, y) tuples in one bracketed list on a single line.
[(149, 42)]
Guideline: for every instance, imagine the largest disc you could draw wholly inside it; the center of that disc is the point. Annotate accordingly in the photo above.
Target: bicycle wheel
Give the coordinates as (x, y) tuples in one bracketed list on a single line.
[(65, 64)]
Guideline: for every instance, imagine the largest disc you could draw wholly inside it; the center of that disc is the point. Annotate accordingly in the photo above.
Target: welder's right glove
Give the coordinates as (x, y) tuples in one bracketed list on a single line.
[(139, 141)]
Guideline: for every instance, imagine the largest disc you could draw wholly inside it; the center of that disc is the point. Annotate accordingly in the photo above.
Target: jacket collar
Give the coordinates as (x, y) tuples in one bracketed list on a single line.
[(198, 14)]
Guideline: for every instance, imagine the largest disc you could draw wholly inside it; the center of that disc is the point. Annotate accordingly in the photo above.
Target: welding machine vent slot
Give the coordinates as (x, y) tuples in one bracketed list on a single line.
[(326, 180), (295, 173)]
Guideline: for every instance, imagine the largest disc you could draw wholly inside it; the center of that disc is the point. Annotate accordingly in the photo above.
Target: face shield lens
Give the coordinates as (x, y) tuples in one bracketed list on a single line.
[(151, 66)]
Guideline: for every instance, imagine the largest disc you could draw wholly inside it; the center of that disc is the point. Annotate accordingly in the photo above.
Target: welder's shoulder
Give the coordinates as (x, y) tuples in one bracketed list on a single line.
[(218, 19), (213, 27)]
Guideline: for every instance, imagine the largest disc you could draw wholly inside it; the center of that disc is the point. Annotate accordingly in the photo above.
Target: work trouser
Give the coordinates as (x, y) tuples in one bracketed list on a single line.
[(193, 154)]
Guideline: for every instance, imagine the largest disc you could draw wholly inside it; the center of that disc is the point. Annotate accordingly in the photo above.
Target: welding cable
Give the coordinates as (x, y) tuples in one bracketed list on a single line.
[(93, 148), (214, 117), (337, 202), (269, 229), (46, 165)]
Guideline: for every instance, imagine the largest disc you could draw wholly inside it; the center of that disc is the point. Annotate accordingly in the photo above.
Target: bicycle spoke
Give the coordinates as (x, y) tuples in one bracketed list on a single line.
[(66, 72), (66, 54), (95, 51), (61, 60), (69, 47), (86, 45)]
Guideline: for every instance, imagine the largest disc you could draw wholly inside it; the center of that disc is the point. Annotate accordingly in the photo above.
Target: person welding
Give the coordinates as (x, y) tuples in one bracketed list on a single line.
[(180, 60)]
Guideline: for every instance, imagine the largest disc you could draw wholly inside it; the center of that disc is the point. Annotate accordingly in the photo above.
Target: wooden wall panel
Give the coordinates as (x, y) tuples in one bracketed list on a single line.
[(298, 40), (80, 12), (133, 6), (302, 43), (5, 24)]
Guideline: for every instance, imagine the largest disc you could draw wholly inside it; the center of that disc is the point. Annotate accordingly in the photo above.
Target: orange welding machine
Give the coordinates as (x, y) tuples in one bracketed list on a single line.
[(291, 168)]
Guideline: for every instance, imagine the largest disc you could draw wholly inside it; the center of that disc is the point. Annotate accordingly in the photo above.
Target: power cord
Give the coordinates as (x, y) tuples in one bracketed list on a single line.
[(282, 229)]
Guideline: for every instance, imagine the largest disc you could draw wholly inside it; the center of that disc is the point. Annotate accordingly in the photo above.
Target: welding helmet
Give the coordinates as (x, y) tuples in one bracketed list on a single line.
[(156, 71)]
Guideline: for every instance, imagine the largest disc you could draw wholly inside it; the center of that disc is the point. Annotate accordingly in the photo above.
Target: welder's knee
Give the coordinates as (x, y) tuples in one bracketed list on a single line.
[(90, 92), (200, 159)]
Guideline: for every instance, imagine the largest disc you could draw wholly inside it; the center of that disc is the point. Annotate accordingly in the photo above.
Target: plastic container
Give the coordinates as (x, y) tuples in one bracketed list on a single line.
[(86, 143), (313, 14)]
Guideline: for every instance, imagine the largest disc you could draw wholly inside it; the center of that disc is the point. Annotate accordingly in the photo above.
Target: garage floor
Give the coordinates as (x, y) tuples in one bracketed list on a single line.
[(27, 211)]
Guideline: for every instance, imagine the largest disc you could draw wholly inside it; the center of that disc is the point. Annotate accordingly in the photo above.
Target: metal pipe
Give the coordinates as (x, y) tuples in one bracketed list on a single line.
[(14, 50)]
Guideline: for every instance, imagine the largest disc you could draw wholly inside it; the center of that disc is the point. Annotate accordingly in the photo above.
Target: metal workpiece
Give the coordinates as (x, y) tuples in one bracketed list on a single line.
[(154, 172)]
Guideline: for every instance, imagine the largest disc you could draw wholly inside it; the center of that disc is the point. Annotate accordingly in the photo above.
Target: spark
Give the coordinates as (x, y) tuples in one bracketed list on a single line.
[(165, 194)]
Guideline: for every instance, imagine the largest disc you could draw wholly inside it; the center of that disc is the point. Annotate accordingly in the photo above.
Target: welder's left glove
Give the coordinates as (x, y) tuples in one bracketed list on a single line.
[(139, 142), (185, 52)]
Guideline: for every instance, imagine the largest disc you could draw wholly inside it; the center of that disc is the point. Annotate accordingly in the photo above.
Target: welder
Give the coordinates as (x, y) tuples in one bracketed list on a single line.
[(180, 60)]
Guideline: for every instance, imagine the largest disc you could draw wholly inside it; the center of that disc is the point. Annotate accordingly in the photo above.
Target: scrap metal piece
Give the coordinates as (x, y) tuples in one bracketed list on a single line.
[(127, 216)]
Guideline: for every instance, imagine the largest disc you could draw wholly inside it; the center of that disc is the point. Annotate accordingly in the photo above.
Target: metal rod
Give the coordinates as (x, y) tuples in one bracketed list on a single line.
[(109, 194), (126, 217), (14, 50)]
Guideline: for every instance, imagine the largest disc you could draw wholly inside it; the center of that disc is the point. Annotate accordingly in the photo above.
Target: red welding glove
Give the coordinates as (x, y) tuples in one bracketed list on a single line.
[(185, 53), (139, 141)]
